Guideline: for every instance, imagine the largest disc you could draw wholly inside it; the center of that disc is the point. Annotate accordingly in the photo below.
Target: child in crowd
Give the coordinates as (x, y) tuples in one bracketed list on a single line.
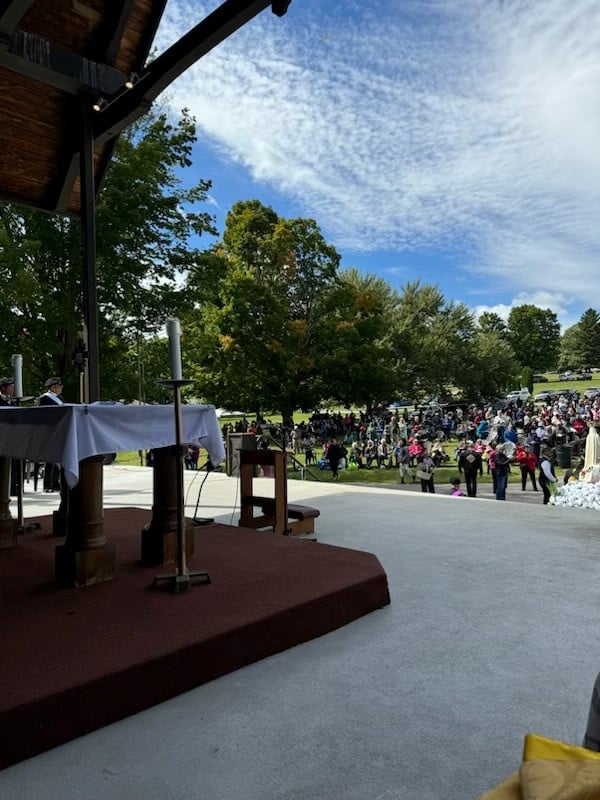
[(455, 490)]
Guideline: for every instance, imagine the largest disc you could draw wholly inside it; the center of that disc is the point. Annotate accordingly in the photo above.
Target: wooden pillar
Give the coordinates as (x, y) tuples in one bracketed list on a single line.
[(159, 536), (8, 525), (86, 557)]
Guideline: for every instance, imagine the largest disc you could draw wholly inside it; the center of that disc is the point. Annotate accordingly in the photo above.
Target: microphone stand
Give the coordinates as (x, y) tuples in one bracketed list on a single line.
[(180, 580)]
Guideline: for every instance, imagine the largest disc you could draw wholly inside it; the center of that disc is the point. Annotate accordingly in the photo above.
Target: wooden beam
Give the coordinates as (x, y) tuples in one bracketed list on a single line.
[(128, 106), (11, 13), (37, 58)]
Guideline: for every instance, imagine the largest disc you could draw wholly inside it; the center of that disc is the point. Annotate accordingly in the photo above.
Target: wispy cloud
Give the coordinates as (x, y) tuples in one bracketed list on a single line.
[(473, 126)]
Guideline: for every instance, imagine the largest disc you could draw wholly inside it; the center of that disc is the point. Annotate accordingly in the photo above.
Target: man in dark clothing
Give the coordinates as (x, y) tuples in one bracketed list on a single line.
[(470, 463), (335, 453), (52, 397), (502, 470)]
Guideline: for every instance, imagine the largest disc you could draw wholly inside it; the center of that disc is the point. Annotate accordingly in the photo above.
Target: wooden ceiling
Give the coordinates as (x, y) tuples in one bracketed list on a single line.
[(60, 58)]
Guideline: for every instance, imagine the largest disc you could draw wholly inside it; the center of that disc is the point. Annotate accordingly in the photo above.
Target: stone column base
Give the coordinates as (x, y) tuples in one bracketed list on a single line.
[(160, 547), (74, 568)]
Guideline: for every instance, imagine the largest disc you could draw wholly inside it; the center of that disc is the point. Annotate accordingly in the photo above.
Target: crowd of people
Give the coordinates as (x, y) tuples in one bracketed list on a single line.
[(499, 438)]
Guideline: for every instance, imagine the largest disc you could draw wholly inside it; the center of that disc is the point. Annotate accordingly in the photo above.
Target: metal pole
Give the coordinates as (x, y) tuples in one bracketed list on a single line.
[(88, 246), (180, 580), (181, 560)]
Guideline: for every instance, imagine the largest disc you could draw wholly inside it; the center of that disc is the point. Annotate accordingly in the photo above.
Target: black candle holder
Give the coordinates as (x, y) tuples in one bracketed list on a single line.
[(180, 580)]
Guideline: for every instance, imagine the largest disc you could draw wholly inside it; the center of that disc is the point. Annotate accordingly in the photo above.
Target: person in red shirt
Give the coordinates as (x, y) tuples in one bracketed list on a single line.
[(527, 461)]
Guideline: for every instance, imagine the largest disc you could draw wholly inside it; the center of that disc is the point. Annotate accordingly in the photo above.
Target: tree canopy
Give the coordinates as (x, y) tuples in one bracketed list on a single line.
[(580, 344), (534, 335)]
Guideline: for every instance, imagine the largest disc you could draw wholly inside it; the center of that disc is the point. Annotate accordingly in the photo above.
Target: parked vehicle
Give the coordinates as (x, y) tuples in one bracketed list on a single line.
[(591, 392), (540, 379), (518, 394), (545, 396)]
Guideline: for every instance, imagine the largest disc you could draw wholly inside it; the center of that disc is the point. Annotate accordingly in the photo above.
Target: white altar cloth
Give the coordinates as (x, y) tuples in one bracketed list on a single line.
[(67, 434)]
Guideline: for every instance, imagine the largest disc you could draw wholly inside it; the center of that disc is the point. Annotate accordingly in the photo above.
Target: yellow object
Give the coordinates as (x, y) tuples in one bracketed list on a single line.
[(538, 746), (551, 770)]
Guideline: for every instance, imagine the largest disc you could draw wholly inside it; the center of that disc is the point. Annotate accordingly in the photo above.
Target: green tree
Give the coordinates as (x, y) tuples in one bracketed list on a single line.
[(146, 228), (431, 341), (490, 368), (569, 348), (534, 335), (527, 378), (490, 322), (254, 336), (588, 340), (357, 319)]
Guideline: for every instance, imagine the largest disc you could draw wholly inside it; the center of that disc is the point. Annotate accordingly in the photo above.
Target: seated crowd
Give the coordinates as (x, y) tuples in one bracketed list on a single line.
[(395, 439)]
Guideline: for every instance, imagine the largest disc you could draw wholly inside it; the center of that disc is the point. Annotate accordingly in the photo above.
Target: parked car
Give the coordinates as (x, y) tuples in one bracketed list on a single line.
[(545, 396), (583, 376), (591, 392), (518, 394), (566, 376), (540, 379)]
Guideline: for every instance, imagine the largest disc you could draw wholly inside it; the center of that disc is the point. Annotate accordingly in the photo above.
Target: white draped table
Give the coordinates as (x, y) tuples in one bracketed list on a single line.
[(77, 436), (68, 434)]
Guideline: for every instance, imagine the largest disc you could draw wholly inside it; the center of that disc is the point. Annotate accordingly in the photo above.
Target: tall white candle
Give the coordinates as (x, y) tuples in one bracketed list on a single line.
[(17, 365), (174, 332)]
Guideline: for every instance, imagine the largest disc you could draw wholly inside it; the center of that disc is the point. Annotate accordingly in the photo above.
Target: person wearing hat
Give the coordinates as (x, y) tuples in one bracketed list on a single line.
[(7, 389), (547, 474), (502, 467), (52, 397)]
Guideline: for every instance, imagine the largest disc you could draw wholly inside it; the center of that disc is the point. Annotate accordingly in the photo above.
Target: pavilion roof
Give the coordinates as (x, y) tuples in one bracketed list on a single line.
[(61, 58)]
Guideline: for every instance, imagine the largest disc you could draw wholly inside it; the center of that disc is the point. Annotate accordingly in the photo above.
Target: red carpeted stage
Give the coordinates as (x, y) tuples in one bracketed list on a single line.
[(75, 660)]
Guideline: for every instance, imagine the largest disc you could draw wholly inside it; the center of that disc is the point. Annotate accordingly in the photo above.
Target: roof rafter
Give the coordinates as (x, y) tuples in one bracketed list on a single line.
[(37, 58), (127, 106), (11, 13)]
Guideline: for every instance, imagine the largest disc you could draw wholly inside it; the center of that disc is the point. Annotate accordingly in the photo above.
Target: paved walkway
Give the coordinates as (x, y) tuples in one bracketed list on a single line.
[(492, 632)]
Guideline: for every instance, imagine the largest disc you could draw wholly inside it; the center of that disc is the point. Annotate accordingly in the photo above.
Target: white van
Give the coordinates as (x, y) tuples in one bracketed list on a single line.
[(518, 394)]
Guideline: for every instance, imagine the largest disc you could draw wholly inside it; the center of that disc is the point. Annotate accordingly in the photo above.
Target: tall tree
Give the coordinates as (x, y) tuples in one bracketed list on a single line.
[(255, 340), (432, 338), (569, 356), (534, 335), (356, 325), (490, 367), (588, 339)]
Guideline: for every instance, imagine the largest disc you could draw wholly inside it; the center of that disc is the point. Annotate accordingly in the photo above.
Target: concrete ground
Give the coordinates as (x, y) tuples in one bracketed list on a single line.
[(492, 632)]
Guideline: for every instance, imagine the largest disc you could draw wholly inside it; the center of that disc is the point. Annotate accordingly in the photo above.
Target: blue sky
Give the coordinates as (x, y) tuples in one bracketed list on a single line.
[(452, 141)]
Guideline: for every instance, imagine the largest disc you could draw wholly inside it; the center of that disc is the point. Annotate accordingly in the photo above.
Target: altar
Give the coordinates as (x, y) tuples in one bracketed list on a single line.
[(78, 437), (68, 434)]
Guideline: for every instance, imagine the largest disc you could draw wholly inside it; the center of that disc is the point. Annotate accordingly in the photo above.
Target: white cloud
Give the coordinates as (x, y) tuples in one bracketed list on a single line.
[(406, 126), (554, 301)]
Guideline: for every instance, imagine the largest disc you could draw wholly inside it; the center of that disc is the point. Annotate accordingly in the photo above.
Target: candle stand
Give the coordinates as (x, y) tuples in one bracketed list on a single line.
[(180, 580)]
